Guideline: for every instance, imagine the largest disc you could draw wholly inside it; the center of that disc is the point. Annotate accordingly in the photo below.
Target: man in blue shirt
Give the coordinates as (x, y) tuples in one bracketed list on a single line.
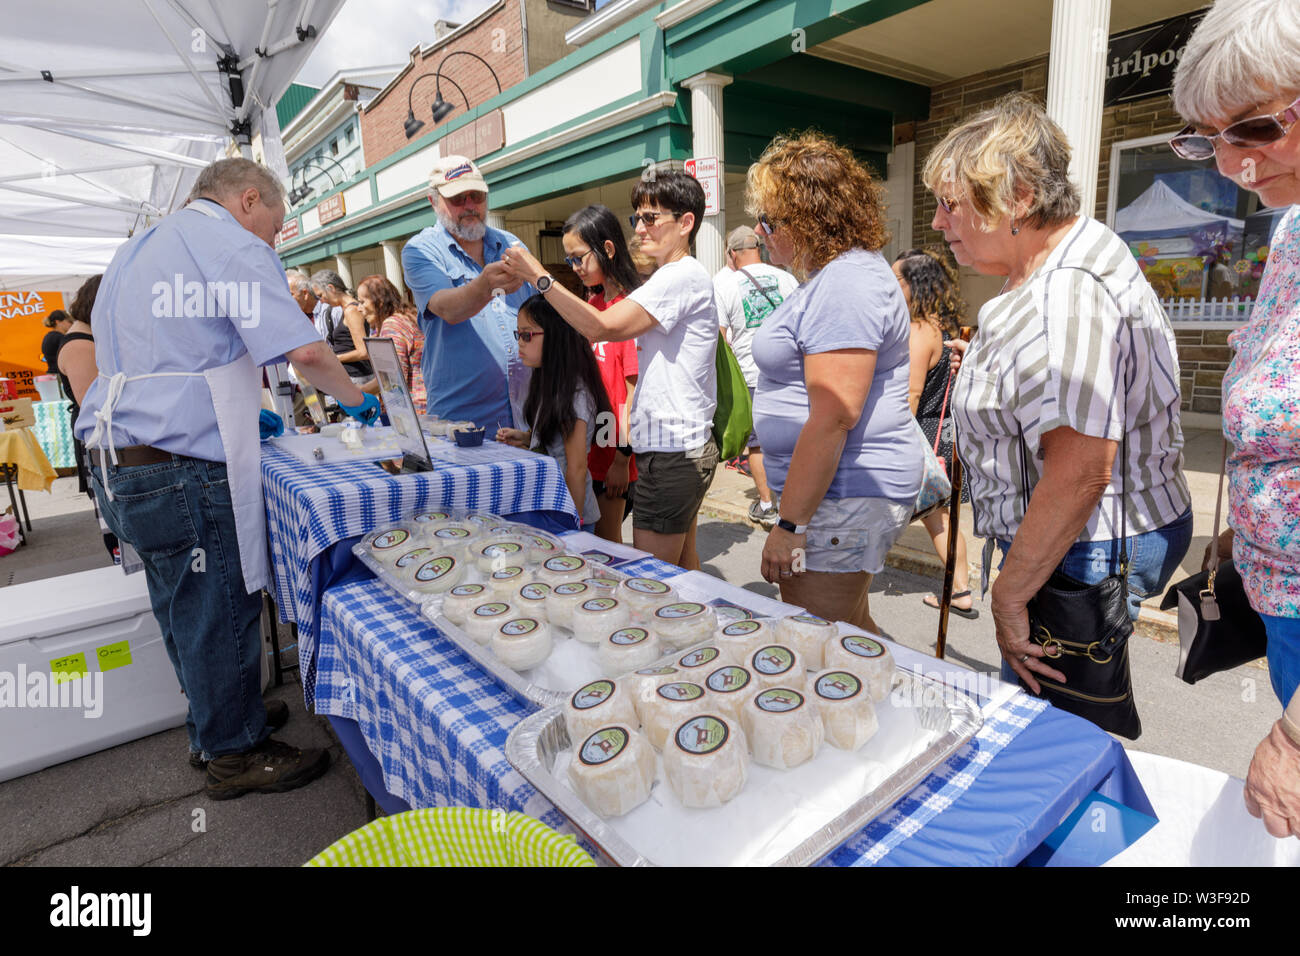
[(185, 314), (467, 302)]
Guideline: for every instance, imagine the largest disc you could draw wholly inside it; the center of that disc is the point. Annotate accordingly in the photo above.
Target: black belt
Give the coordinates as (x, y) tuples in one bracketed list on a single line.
[(134, 455)]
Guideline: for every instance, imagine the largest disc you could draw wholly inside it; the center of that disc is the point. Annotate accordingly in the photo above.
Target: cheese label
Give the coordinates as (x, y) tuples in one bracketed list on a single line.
[(809, 619), (480, 517), (774, 659), (730, 613), (411, 557), (680, 610), (565, 562), (601, 585), (603, 746), (491, 610), (702, 735), (599, 604), (505, 574), (838, 685), (519, 627), (543, 544), (425, 516), (680, 691), (598, 557), (779, 700), (467, 590), (646, 586), (501, 549), (534, 592), (435, 569), (742, 628), (699, 657), (454, 533), (390, 539), (627, 636), (729, 679), (575, 587), (597, 692), (862, 646), (661, 671)]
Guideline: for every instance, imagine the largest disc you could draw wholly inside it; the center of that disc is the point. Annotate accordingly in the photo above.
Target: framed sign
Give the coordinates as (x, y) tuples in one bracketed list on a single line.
[(397, 403)]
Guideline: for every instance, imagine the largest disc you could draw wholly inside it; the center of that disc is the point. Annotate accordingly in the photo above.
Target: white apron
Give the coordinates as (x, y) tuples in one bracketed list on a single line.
[(236, 391)]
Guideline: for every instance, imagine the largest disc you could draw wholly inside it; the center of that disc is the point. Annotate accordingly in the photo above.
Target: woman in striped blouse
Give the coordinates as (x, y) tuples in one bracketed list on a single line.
[(1073, 355)]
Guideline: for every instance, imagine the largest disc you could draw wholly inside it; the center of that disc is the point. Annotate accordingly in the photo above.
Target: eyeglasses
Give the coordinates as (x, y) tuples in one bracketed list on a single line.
[(473, 196), (526, 336), (1248, 133), (947, 204), (767, 226), (649, 218), (574, 261)]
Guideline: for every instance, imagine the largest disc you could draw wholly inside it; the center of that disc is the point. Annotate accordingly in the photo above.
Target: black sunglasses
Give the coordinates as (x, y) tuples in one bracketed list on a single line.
[(649, 218), (526, 336)]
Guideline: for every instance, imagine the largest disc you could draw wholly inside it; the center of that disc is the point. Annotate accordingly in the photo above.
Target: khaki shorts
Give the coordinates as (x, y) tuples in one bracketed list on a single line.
[(670, 488)]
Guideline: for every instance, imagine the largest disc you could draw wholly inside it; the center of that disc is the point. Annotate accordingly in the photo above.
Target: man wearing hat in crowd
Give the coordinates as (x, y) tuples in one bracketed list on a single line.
[(467, 304), (747, 291)]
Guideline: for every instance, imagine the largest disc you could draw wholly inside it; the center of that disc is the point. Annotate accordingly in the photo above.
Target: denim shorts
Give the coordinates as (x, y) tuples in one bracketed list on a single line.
[(848, 535)]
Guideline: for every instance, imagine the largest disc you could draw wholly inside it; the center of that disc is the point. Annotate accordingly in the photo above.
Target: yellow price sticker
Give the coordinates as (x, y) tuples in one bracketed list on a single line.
[(68, 668), (112, 656)]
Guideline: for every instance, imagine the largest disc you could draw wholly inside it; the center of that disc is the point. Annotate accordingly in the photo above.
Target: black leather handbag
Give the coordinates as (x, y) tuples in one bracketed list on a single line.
[(1084, 630), (1217, 628)]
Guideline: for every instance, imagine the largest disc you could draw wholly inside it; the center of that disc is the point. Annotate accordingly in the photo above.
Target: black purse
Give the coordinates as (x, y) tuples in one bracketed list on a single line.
[(1217, 627), (1084, 630)]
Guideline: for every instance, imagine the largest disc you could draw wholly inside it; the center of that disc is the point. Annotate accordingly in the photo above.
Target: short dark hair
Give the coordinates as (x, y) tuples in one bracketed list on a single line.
[(672, 189), (83, 303), (55, 317)]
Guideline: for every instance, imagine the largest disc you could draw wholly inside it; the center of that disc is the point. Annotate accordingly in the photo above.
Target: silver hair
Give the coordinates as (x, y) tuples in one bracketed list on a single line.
[(1244, 53), (297, 279), (327, 278), (229, 177)]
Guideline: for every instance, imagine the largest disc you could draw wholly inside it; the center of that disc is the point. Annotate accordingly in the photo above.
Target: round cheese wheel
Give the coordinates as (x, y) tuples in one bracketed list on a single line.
[(504, 582), (866, 657), (706, 762), (672, 703), (388, 545), (643, 595), (700, 660), (740, 639), (563, 600), (482, 622), (626, 649), (645, 681), (532, 600), (437, 575), (683, 623), (847, 712), (562, 568), (613, 770), (783, 728), (807, 634), (599, 704), (450, 537), (730, 687), (462, 599), (497, 551), (597, 618), (777, 666), (522, 643)]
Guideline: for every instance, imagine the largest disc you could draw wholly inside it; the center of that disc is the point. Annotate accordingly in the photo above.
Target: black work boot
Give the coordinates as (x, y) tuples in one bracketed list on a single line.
[(277, 715), (270, 767)]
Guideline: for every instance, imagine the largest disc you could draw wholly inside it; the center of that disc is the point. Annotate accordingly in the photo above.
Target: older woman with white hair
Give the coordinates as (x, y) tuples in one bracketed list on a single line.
[(1067, 401), (1238, 86)]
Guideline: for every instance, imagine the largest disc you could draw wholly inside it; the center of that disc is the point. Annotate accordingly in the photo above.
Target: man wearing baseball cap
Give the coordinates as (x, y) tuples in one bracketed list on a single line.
[(467, 303)]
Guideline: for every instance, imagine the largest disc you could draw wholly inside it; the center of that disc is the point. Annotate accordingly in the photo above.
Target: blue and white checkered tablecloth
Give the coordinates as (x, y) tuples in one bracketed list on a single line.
[(310, 507), (437, 724)]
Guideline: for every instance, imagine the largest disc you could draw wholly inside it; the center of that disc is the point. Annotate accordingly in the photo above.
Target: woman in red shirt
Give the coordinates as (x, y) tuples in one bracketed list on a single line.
[(597, 252), (390, 316)]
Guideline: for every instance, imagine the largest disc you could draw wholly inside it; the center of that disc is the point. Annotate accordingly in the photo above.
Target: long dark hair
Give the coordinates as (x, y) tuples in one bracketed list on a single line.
[(594, 225), (83, 303), (567, 365), (935, 288)]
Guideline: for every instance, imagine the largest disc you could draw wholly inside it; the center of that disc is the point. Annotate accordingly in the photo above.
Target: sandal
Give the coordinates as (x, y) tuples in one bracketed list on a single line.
[(970, 613)]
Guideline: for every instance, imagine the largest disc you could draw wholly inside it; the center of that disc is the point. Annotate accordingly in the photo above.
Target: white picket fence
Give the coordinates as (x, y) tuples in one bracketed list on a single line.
[(1235, 309)]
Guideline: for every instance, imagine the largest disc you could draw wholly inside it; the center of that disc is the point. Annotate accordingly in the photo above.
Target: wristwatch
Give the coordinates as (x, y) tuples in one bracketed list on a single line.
[(544, 284), (624, 450), (790, 526)]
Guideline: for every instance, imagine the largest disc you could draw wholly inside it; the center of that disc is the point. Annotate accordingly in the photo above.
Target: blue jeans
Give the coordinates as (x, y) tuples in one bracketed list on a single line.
[(1153, 558), (1283, 655), (179, 517)]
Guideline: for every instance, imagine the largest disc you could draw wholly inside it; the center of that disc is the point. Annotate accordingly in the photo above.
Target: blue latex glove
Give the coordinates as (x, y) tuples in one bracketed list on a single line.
[(367, 413), (270, 424)]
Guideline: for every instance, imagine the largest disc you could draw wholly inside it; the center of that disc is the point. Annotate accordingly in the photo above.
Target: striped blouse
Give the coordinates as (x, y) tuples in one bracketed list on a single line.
[(1051, 353)]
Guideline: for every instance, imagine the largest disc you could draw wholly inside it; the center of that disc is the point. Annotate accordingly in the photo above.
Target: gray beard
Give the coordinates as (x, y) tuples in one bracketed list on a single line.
[(469, 233)]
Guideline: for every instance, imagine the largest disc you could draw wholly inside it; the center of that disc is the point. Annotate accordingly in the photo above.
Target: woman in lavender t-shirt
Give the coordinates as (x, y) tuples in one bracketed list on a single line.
[(831, 407)]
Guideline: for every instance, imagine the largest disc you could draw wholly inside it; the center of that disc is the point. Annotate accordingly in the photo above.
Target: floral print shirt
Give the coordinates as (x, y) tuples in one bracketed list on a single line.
[(1261, 417), (409, 342)]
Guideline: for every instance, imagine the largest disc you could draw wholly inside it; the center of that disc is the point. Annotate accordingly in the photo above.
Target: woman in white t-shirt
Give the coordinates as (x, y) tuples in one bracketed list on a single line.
[(675, 321)]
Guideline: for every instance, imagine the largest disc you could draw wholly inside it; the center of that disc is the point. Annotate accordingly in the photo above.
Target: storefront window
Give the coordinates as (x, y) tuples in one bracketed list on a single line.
[(1200, 240)]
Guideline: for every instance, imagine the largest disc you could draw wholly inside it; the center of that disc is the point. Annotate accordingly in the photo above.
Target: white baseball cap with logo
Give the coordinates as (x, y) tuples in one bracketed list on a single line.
[(453, 175)]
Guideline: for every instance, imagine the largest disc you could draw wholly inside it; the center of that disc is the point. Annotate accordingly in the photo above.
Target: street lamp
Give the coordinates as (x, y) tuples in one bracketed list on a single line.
[(441, 108), (300, 193)]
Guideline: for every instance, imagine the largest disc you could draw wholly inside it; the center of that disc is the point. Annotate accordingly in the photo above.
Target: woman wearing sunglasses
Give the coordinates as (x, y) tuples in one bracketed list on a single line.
[(597, 253), (674, 319), (1073, 356), (831, 408), (1238, 86)]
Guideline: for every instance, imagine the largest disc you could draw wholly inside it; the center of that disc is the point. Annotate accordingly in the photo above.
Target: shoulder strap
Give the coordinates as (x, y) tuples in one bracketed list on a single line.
[(76, 337), (754, 282)]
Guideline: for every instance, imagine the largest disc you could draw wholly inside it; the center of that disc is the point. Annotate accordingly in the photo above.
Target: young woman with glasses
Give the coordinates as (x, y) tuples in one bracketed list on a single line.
[(597, 253)]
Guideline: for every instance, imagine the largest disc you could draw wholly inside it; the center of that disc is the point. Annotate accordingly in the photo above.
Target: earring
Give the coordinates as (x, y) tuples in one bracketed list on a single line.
[(1015, 230)]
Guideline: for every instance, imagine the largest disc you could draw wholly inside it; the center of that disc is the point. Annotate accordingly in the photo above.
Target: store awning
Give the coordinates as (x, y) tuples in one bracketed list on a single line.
[(108, 111)]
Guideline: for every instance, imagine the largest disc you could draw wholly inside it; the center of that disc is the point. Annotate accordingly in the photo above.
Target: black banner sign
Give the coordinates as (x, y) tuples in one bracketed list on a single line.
[(1141, 62)]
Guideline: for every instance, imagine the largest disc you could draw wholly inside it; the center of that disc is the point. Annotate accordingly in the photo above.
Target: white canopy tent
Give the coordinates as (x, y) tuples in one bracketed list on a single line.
[(1161, 211), (108, 111)]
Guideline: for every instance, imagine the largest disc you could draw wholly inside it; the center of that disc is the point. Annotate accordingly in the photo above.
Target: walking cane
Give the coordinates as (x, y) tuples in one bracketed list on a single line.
[(950, 566)]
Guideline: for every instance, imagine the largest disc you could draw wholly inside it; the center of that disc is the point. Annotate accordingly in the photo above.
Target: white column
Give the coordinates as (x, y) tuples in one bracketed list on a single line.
[(393, 263), (497, 220), (1076, 80), (344, 268), (706, 140)]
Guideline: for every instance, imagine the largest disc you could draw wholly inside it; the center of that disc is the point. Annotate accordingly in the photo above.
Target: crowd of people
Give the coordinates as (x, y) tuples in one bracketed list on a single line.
[(1064, 408)]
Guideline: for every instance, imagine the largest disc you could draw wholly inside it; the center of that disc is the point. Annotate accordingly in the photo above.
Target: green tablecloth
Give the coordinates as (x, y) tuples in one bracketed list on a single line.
[(54, 432)]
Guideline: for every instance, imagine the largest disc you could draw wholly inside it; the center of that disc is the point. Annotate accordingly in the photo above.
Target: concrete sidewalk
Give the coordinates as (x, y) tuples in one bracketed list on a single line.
[(732, 494)]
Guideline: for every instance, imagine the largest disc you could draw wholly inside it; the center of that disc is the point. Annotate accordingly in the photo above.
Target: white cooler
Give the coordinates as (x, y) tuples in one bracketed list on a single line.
[(98, 623)]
